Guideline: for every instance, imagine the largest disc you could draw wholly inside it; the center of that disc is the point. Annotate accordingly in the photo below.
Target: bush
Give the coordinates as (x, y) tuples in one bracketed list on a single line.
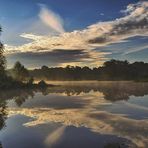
[(42, 83)]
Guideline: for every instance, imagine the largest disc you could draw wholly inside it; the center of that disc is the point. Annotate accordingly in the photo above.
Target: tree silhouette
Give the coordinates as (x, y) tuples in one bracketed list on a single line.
[(2, 62), (111, 70), (20, 73)]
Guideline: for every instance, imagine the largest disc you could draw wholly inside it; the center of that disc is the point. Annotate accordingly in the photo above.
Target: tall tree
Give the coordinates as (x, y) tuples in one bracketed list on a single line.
[(2, 61), (20, 73)]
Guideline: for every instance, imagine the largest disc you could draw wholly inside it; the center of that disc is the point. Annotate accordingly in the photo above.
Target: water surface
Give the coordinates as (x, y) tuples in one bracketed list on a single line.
[(76, 115)]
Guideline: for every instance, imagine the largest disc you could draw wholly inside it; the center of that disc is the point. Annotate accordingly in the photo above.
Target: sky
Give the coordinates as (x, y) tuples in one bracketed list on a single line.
[(67, 32)]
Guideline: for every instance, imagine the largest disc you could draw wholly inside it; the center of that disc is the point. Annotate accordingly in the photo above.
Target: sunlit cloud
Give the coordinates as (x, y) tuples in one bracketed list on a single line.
[(53, 137), (51, 19), (133, 23)]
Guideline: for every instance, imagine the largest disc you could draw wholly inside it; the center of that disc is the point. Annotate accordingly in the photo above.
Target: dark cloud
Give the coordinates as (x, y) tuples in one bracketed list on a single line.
[(129, 26), (135, 23), (100, 40), (121, 29), (51, 58)]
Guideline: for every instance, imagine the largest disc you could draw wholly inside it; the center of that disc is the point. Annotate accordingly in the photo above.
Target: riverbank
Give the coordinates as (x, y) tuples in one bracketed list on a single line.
[(21, 85)]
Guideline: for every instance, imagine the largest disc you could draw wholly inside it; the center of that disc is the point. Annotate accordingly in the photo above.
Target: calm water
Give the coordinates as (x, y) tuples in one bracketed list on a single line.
[(76, 115)]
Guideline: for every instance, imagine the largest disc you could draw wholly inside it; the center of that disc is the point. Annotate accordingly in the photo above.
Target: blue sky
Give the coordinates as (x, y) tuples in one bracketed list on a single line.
[(27, 24)]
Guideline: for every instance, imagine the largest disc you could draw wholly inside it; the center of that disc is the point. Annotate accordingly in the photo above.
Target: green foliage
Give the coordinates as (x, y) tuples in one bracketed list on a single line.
[(19, 72)]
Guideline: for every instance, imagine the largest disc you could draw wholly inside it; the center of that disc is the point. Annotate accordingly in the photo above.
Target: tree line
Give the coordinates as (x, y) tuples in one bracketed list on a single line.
[(111, 70)]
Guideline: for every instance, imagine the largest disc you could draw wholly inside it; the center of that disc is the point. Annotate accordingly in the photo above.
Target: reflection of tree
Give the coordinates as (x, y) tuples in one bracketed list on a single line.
[(112, 91), (20, 95), (19, 100), (23, 96), (3, 113), (122, 91)]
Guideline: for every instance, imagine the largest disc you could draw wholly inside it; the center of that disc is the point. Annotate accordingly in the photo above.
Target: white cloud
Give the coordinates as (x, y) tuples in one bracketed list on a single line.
[(53, 137), (102, 14), (136, 49), (51, 19), (134, 23)]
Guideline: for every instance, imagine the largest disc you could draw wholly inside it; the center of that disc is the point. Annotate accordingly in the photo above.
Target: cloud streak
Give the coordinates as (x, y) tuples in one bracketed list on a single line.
[(51, 19)]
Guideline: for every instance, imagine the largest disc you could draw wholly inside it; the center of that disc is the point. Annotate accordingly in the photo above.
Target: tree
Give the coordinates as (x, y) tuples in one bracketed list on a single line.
[(20, 73), (116, 69), (2, 62), (42, 84), (30, 81)]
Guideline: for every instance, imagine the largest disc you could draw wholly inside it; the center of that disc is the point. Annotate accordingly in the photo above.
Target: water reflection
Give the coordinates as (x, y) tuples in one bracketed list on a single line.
[(3, 114), (104, 108), (113, 91)]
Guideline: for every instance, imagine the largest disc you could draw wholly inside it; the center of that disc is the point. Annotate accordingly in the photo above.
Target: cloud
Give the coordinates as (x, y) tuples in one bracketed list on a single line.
[(51, 19), (136, 49), (133, 23), (31, 36), (57, 57), (102, 14), (54, 137)]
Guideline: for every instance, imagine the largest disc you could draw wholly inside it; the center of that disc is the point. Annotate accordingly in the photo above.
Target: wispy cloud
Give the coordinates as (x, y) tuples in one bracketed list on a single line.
[(51, 19), (136, 49), (53, 137), (134, 23)]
